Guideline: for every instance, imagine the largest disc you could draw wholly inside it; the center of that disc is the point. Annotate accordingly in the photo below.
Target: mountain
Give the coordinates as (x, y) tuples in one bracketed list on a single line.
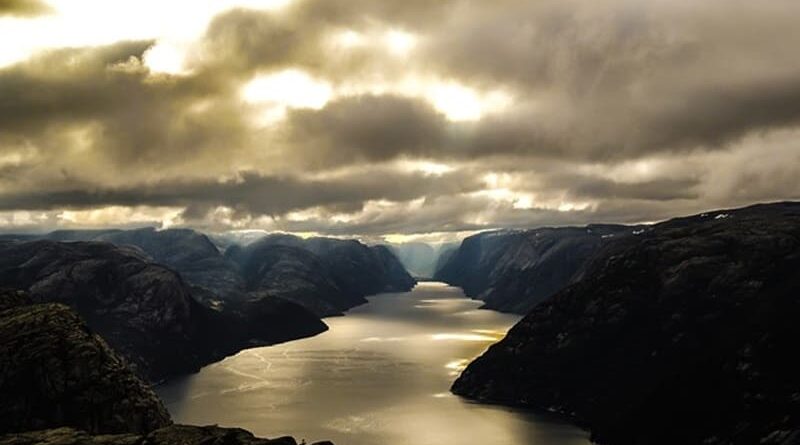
[(56, 373), (514, 270), (418, 258), (145, 310), (397, 278), (62, 385), (685, 333), (359, 269), (188, 252), (291, 273), (326, 275)]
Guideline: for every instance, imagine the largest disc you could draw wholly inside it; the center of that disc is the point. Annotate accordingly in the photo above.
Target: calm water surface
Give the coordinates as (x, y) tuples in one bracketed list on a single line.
[(379, 376)]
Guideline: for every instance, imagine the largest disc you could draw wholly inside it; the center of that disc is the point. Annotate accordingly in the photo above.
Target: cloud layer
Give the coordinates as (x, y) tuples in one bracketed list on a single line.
[(409, 117)]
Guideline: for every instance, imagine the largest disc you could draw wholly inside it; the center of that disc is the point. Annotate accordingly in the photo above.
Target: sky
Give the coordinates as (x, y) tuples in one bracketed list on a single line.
[(398, 119)]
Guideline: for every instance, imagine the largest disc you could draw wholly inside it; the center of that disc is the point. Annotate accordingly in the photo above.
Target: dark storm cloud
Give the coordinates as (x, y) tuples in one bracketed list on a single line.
[(249, 193), (707, 94), (130, 119), (24, 8), (652, 190), (366, 129), (616, 79)]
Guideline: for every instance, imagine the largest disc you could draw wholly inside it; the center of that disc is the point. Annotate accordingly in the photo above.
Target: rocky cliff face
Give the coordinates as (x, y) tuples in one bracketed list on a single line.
[(512, 271), (60, 384), (170, 435), (683, 334), (294, 274), (396, 277), (55, 372), (144, 310)]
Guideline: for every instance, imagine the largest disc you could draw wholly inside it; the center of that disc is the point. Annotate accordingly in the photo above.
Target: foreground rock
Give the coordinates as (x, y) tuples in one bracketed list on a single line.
[(514, 270), (144, 310), (171, 435), (60, 384), (684, 334), (55, 372)]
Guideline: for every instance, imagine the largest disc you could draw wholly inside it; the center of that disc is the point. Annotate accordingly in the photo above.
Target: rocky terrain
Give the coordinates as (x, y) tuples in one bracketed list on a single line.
[(60, 384), (513, 270), (55, 372), (144, 310), (170, 435), (685, 333)]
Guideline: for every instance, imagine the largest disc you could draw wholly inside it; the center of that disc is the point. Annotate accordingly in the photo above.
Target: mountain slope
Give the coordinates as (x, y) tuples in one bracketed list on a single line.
[(683, 334), (512, 271), (189, 253), (145, 311), (60, 384), (55, 372), (327, 276)]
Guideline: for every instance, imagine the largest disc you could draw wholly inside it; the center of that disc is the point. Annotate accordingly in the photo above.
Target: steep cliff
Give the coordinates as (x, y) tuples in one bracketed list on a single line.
[(683, 334), (60, 384), (513, 270), (55, 372)]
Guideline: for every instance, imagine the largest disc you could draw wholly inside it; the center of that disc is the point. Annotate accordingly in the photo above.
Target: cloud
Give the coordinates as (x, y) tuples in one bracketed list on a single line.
[(366, 128), (617, 111), (248, 193), (23, 8)]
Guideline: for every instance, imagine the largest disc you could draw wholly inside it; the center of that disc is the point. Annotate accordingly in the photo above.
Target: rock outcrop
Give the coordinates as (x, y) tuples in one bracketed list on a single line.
[(685, 333), (171, 435), (514, 270), (60, 384), (144, 310), (55, 372)]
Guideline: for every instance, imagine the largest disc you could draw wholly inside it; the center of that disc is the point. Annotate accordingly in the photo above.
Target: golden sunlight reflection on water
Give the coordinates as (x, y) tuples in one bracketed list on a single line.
[(379, 376)]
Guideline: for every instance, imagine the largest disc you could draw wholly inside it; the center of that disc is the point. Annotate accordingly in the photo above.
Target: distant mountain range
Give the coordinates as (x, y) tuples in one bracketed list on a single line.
[(170, 301)]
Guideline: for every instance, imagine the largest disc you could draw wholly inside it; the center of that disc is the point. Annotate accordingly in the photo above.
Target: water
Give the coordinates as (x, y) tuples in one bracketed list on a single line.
[(379, 376)]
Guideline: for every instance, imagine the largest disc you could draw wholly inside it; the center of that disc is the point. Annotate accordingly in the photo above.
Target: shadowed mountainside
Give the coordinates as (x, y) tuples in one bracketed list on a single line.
[(60, 384), (513, 270), (326, 275), (685, 333), (145, 310)]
